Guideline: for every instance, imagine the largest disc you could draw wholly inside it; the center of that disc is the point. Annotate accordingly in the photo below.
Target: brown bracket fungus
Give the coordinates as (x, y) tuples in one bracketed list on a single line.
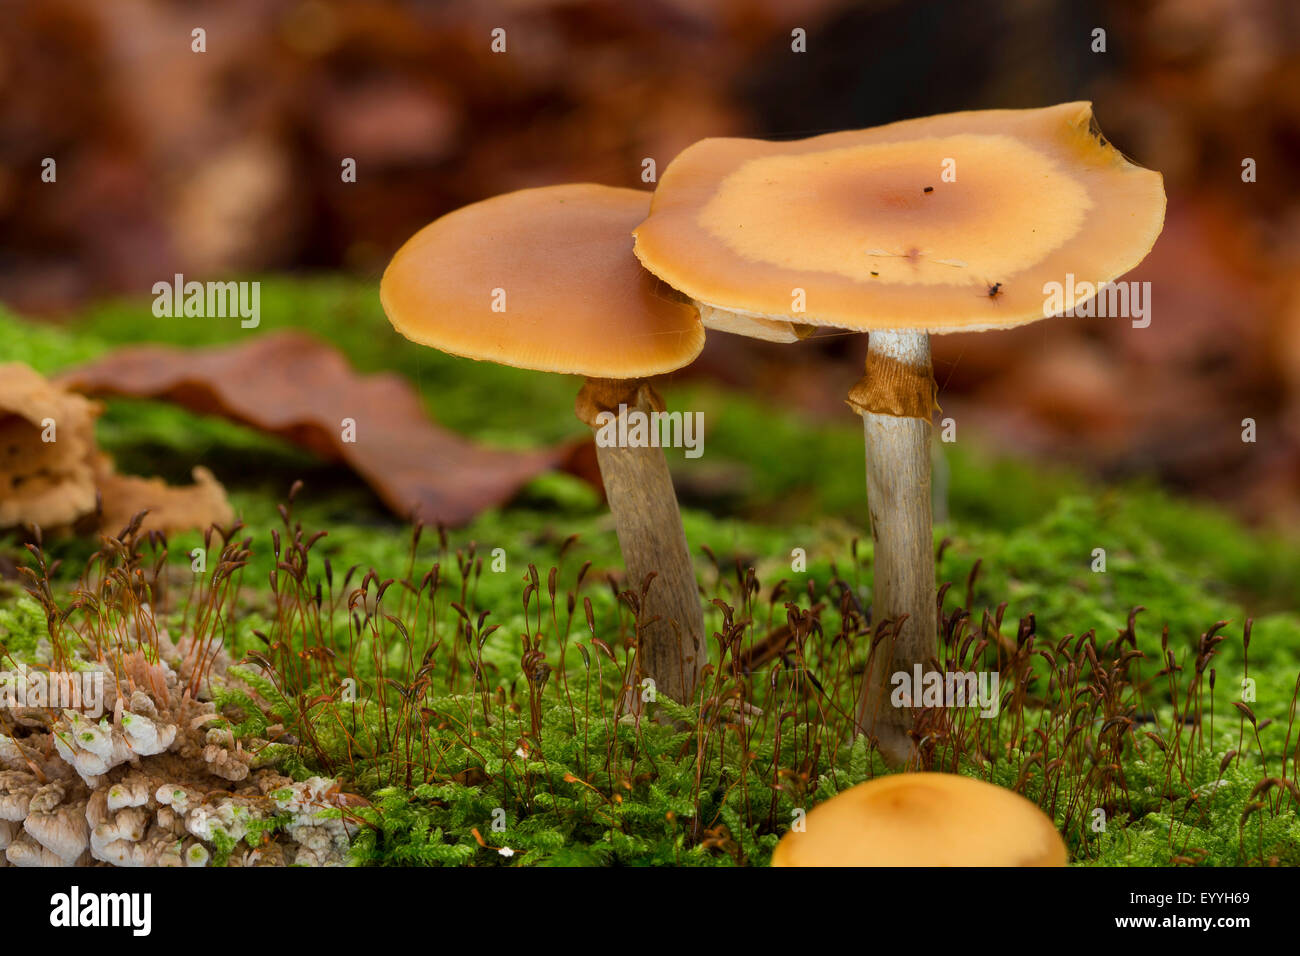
[(545, 279), (956, 223), (924, 819), (144, 771)]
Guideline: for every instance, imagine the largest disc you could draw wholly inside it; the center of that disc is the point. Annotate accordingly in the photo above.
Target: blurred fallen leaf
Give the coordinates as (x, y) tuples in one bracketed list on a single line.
[(291, 385)]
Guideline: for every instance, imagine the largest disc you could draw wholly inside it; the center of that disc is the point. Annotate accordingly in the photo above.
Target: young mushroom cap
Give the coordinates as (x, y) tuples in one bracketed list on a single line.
[(542, 279), (950, 223), (924, 819)]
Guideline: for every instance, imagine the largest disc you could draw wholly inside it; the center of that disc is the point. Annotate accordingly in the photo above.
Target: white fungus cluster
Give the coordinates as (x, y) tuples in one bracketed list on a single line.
[(158, 780)]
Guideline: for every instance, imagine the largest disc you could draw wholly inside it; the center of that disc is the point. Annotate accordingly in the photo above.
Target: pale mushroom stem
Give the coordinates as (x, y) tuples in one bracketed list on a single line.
[(651, 538), (896, 400)]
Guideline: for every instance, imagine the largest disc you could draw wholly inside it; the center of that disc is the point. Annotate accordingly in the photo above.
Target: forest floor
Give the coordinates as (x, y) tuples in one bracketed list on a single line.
[(467, 752)]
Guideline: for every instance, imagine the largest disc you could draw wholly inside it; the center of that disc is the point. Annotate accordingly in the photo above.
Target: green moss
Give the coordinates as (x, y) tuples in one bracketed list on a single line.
[(22, 625), (223, 845)]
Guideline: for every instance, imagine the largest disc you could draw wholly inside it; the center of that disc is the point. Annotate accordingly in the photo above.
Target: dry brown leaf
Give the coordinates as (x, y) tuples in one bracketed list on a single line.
[(44, 482), (170, 508), (291, 385)]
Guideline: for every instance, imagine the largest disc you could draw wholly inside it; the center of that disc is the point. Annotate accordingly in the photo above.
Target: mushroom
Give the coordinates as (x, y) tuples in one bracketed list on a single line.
[(11, 755), (132, 816), (25, 851), (91, 748), (924, 819), (131, 791), (953, 223), (114, 838), (17, 788), (62, 831), (143, 735), (545, 279)]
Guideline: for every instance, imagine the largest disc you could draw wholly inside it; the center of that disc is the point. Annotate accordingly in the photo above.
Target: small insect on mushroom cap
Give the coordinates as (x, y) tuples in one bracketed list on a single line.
[(924, 819)]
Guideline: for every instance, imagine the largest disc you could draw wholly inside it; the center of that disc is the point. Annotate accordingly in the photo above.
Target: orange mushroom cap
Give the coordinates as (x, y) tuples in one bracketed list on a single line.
[(924, 819), (905, 226), (542, 279)]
